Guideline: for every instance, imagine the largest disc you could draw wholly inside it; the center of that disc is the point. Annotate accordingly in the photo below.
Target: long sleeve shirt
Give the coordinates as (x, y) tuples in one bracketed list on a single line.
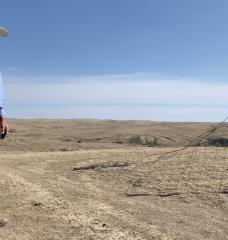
[(2, 96)]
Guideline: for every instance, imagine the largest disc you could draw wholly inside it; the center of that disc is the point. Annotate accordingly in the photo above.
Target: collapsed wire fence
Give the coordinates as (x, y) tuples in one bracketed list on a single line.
[(192, 170), (189, 171)]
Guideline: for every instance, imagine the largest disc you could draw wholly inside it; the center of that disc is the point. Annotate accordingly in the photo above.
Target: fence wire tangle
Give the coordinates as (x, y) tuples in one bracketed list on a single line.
[(194, 170)]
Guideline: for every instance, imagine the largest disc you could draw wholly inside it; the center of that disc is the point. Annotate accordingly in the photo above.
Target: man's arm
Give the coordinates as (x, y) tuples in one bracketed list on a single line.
[(4, 128)]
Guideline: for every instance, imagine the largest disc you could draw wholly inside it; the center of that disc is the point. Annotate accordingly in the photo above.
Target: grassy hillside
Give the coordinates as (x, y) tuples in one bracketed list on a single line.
[(68, 135)]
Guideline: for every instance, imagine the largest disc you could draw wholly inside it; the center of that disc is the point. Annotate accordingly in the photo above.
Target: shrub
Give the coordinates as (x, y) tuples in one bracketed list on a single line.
[(218, 141), (137, 139)]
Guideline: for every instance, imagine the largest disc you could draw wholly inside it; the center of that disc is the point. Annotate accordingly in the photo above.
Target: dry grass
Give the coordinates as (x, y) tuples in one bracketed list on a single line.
[(145, 199), (73, 135), (97, 188)]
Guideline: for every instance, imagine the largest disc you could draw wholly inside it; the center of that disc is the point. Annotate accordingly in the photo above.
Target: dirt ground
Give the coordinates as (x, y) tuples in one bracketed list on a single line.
[(116, 193), (111, 194)]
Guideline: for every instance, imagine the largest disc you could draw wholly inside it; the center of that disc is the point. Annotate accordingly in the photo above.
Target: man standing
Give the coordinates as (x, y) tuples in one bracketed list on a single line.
[(4, 128)]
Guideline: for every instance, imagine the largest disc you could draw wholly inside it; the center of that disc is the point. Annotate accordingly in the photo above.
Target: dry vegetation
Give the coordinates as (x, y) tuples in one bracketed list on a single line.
[(90, 179)]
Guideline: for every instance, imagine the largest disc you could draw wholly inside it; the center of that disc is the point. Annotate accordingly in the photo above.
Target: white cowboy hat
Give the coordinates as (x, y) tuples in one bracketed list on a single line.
[(3, 32)]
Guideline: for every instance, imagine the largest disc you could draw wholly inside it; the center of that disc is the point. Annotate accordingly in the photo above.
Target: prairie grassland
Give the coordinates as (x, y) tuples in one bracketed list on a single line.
[(71, 135), (89, 179)]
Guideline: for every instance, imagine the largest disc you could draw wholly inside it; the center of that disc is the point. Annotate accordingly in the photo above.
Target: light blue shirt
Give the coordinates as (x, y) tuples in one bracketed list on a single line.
[(2, 96)]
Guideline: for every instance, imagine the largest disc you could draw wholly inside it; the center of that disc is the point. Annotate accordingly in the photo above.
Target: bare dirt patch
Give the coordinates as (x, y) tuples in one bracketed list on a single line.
[(114, 194)]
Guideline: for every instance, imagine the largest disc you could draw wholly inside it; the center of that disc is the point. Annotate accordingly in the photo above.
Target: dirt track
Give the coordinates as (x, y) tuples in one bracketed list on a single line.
[(109, 194)]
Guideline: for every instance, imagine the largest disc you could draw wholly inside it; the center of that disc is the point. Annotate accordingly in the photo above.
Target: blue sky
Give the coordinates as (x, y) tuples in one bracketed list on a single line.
[(123, 59)]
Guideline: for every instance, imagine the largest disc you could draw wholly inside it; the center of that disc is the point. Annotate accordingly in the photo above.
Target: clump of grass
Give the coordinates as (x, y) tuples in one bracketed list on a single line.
[(153, 142), (218, 141), (67, 139), (65, 149), (3, 222), (13, 130), (136, 182), (137, 139), (143, 140)]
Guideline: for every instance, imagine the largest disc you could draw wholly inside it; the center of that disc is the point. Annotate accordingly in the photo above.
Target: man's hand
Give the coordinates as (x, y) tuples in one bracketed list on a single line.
[(3, 127)]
